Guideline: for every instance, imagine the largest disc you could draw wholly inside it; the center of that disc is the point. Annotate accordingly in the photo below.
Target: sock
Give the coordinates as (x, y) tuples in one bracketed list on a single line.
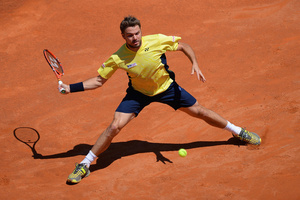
[(89, 158), (232, 128)]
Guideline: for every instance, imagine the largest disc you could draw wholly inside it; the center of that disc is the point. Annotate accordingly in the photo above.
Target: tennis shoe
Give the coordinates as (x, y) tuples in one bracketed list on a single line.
[(80, 171), (249, 137)]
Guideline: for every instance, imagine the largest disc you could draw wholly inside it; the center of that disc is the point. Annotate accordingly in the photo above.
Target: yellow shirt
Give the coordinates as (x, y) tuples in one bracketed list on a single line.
[(146, 72)]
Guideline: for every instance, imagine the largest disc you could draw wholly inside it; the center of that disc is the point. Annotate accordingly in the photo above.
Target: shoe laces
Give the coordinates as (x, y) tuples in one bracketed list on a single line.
[(78, 168), (246, 135)]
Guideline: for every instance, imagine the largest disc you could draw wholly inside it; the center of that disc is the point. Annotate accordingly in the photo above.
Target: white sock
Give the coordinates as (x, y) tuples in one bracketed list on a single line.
[(89, 158), (232, 128)]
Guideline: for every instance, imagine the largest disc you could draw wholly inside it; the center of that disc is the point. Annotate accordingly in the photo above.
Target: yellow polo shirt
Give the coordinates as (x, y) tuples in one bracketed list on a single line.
[(144, 68)]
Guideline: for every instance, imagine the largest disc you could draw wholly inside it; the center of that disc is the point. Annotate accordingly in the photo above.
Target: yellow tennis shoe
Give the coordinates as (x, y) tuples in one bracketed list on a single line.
[(249, 137), (80, 171)]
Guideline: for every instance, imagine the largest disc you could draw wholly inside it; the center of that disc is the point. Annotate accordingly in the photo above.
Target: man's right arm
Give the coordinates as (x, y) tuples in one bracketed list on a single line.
[(88, 84)]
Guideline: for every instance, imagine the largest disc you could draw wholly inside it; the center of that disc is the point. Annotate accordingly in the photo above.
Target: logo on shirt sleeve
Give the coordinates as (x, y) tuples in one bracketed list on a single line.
[(131, 65)]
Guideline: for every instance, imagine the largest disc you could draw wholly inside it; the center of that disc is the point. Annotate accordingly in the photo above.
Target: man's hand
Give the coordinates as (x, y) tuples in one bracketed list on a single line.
[(200, 76), (66, 87)]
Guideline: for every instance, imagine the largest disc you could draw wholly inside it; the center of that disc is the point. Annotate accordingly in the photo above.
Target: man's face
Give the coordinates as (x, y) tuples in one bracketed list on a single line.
[(132, 36)]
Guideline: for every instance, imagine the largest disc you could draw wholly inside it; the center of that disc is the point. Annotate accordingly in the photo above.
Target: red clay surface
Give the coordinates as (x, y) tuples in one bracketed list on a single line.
[(249, 53)]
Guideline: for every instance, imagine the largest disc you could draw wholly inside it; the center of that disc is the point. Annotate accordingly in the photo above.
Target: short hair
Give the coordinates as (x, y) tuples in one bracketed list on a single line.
[(129, 21)]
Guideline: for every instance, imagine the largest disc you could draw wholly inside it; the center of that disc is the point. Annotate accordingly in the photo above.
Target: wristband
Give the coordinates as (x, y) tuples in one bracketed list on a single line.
[(76, 87)]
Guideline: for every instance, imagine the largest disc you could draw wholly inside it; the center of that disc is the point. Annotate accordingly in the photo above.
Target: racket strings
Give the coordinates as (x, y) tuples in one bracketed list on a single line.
[(54, 62)]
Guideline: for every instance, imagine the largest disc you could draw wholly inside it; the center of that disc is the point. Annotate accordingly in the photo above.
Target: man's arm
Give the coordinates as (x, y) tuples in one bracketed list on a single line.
[(188, 51), (88, 84)]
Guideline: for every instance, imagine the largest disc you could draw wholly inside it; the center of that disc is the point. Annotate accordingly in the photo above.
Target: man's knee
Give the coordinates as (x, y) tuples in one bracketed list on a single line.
[(113, 129), (119, 121), (202, 112), (198, 111)]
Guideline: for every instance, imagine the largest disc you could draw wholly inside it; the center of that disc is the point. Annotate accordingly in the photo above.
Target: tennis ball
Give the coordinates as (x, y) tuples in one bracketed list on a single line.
[(182, 152)]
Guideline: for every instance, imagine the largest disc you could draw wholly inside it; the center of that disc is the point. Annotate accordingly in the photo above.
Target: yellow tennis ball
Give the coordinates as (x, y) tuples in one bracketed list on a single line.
[(182, 152)]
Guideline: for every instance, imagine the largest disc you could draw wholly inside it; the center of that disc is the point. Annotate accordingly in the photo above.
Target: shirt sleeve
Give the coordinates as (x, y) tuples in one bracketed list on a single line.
[(169, 43), (108, 68)]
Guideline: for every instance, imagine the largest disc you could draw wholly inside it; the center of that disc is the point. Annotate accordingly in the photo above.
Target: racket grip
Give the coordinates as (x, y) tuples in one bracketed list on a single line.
[(61, 90)]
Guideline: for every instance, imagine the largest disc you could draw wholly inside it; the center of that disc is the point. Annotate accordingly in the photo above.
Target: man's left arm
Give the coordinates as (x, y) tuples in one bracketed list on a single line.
[(188, 51)]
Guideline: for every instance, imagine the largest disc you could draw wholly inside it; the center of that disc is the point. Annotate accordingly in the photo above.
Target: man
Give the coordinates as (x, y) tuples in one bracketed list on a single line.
[(150, 80)]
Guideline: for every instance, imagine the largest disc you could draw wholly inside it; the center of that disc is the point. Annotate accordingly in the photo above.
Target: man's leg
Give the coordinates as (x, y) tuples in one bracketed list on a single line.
[(119, 121), (103, 142), (205, 114), (216, 120)]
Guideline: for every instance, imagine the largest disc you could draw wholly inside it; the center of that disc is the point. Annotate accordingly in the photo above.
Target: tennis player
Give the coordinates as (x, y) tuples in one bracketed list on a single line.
[(150, 80)]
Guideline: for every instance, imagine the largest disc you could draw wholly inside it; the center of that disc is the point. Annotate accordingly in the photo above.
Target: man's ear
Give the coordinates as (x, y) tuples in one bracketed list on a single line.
[(123, 35)]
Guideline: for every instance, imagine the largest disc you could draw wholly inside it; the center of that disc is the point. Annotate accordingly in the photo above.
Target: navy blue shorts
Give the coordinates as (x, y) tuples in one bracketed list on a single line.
[(174, 96)]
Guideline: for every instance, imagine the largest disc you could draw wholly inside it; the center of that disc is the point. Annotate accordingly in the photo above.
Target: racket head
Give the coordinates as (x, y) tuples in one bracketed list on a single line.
[(54, 63)]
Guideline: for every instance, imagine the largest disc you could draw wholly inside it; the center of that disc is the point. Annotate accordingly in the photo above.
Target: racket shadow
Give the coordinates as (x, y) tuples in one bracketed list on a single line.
[(118, 150), (29, 136)]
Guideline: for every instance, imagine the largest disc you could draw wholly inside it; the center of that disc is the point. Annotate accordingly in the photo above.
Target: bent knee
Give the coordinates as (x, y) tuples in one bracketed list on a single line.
[(113, 130), (119, 121)]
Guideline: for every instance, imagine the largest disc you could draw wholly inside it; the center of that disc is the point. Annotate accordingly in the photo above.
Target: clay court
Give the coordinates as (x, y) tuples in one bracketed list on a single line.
[(248, 51)]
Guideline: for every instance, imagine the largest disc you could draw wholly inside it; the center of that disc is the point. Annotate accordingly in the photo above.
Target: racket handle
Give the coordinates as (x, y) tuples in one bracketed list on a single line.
[(61, 90)]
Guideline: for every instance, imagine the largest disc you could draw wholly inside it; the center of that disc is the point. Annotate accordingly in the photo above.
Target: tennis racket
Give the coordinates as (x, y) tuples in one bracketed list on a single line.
[(56, 67)]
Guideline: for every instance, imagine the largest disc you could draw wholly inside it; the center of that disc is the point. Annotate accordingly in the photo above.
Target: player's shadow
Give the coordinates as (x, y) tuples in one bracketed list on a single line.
[(117, 150), (122, 149)]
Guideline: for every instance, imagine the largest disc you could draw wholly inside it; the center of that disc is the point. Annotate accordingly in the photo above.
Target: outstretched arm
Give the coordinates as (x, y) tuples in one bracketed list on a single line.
[(88, 84), (188, 51)]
